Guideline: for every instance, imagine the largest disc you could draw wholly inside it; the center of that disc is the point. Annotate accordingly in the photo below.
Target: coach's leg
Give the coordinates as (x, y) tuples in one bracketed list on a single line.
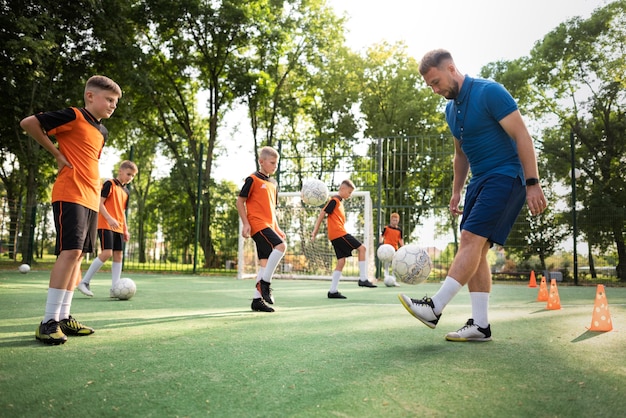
[(463, 268)]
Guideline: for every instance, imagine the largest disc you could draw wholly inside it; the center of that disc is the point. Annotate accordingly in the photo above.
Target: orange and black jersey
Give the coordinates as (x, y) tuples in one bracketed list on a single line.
[(261, 197), (81, 138), (392, 236), (336, 218), (116, 202)]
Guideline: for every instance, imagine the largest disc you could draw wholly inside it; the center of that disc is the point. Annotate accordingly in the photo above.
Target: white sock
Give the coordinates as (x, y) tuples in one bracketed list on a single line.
[(116, 273), (363, 270), (53, 304), (64, 313), (480, 308), (444, 295), (334, 283), (272, 263), (93, 269), (259, 274)]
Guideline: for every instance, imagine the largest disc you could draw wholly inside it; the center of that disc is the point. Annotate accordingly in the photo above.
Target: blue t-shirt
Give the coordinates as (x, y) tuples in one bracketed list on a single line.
[(473, 118)]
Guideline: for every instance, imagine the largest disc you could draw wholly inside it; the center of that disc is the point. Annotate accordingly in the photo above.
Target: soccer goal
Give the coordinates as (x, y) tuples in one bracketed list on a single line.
[(308, 259)]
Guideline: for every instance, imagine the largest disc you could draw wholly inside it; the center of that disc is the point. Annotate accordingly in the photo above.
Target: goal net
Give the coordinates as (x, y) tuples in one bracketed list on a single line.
[(308, 259)]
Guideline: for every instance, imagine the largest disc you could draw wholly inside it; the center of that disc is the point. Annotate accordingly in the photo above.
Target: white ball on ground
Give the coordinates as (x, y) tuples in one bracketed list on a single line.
[(124, 289), (24, 268), (390, 281)]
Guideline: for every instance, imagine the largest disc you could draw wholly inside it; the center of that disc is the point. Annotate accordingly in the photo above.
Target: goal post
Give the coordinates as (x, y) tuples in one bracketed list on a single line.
[(313, 259)]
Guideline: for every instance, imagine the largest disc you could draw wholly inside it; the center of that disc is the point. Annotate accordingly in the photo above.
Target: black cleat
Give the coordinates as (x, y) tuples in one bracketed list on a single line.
[(70, 326), (266, 291), (366, 283), (50, 333), (336, 295), (258, 305)]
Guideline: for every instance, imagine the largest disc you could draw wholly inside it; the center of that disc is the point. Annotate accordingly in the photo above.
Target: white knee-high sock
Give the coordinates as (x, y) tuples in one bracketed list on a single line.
[(93, 269), (446, 292), (116, 273), (64, 313), (53, 304), (259, 274), (272, 263), (480, 308), (363, 270), (334, 283)]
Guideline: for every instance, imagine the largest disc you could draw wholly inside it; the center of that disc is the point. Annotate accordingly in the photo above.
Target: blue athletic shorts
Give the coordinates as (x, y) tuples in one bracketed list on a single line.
[(345, 245), (266, 239), (492, 204)]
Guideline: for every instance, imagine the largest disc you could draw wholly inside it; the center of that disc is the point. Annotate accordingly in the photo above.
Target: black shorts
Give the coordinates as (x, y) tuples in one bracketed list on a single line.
[(111, 240), (345, 245), (76, 227), (266, 239)]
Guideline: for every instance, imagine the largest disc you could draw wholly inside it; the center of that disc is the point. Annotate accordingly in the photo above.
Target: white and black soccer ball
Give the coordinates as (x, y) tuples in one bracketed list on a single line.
[(314, 192), (411, 264), (24, 268), (385, 253), (124, 289)]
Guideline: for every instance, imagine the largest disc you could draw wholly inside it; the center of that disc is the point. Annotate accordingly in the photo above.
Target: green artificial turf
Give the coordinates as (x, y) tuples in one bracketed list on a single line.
[(189, 346)]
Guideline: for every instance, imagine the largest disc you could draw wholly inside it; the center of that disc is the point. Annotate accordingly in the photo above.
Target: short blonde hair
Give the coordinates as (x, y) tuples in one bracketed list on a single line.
[(348, 182), (100, 82), (394, 215), (268, 152), (127, 164)]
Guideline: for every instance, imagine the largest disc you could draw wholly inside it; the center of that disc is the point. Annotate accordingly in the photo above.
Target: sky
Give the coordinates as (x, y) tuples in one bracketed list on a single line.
[(476, 32)]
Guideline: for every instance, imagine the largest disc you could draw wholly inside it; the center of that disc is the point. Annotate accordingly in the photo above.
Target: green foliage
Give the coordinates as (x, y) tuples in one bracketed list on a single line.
[(574, 82)]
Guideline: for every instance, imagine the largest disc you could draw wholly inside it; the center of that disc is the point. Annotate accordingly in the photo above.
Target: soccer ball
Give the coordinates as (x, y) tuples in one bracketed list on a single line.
[(24, 268), (411, 264), (124, 289), (385, 252), (390, 281), (314, 192)]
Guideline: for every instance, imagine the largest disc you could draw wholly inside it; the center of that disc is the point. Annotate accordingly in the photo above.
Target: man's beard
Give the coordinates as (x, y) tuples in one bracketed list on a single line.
[(453, 92)]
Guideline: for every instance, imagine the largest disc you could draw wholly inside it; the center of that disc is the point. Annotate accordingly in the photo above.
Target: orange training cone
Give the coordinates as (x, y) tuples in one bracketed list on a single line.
[(601, 318), (533, 280), (542, 296), (554, 302)]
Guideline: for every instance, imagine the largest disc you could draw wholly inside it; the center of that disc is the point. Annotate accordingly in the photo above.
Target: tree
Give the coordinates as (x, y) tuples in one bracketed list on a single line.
[(397, 105), (44, 56), (574, 80)]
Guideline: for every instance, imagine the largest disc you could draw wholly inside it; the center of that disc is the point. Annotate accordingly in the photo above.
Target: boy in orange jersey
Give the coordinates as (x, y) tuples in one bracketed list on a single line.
[(112, 226), (80, 136), (342, 242), (256, 205), (392, 235)]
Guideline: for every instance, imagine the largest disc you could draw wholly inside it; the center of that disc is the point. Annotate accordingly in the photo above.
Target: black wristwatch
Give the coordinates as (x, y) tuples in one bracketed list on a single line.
[(532, 181)]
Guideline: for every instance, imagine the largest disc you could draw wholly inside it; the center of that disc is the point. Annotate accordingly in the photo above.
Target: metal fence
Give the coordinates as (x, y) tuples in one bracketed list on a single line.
[(411, 176)]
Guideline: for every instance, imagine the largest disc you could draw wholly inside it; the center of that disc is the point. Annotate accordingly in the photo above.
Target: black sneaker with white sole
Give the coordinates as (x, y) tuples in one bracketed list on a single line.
[(470, 332)]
